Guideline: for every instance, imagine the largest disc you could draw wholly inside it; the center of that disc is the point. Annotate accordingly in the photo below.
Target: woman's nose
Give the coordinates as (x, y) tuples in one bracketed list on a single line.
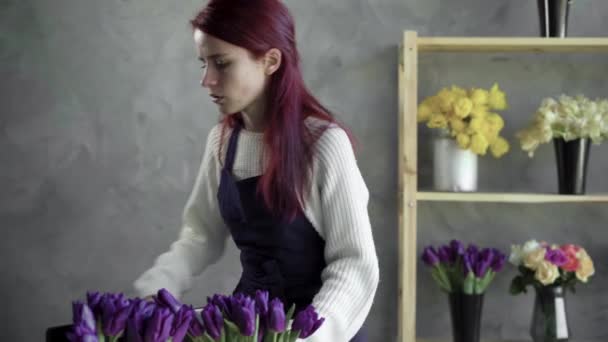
[(208, 79)]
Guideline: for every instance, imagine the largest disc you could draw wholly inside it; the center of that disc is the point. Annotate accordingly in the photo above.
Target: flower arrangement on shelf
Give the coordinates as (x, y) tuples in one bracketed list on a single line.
[(468, 270), (569, 118), (541, 264), (238, 318), (469, 117)]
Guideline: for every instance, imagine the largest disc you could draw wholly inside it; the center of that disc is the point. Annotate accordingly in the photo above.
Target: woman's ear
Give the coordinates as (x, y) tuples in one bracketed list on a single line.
[(272, 61)]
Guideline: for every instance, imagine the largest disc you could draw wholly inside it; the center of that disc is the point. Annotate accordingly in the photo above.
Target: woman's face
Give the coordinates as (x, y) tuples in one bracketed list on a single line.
[(235, 79)]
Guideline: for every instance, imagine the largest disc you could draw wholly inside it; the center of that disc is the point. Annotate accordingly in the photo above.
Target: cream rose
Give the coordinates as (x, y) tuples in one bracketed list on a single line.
[(585, 268), (533, 259), (546, 273)]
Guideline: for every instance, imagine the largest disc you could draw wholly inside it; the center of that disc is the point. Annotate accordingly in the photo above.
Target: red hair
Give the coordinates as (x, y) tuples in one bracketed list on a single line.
[(258, 26)]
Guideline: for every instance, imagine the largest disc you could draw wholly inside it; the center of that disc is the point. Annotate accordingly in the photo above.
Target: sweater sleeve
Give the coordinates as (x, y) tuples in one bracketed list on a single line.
[(351, 276), (202, 237)]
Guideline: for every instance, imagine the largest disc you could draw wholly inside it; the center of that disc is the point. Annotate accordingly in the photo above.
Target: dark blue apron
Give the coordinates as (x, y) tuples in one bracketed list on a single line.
[(284, 258)]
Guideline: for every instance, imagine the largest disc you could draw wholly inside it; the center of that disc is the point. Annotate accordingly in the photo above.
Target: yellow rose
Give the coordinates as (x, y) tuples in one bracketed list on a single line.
[(463, 141), (479, 111), (476, 125), (479, 96), (546, 272), (458, 91), (497, 98), (585, 268), (495, 121), (533, 259), (437, 121), (424, 112), (446, 100), (499, 147), (457, 125), (479, 144), (462, 107)]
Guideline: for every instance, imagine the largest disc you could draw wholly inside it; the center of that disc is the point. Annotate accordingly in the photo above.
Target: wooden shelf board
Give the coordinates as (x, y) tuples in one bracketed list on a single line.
[(508, 197), (510, 44)]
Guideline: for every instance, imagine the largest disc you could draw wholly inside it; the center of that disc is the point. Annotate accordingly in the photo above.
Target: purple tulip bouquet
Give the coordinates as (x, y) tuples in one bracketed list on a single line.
[(238, 318), (458, 269)]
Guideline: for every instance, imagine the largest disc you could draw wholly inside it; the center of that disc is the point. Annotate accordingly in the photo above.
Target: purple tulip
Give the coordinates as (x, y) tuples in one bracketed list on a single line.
[(83, 329), (307, 322), (166, 299), (222, 302), (261, 302), (499, 260), (484, 261), (457, 248), (196, 327), (556, 256), (430, 257), (117, 322), (467, 264), (445, 254), (276, 316), (181, 323), (135, 327), (243, 313), (158, 328), (213, 320), (93, 300), (473, 252), (83, 316)]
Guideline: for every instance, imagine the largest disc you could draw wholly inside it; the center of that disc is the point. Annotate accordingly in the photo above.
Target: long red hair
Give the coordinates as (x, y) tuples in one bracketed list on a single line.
[(258, 26)]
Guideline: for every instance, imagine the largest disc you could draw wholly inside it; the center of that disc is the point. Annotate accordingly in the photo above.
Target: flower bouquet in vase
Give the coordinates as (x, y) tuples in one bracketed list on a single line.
[(464, 274), (571, 123), (467, 125), (238, 318), (551, 270)]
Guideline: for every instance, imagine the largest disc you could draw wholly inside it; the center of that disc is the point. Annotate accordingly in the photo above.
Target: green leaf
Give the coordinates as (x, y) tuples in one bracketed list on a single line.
[(290, 313)]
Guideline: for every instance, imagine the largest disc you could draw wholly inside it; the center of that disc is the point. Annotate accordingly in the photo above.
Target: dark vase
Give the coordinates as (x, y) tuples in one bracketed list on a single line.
[(466, 316), (549, 319), (571, 158), (553, 17)]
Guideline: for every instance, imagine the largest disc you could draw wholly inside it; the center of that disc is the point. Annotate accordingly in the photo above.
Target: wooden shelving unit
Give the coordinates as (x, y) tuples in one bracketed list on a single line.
[(408, 194)]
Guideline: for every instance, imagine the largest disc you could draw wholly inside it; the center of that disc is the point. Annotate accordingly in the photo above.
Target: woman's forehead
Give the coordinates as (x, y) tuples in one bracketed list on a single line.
[(208, 45)]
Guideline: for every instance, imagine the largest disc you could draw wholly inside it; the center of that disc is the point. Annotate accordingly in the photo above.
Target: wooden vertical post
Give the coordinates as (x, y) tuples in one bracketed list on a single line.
[(408, 186)]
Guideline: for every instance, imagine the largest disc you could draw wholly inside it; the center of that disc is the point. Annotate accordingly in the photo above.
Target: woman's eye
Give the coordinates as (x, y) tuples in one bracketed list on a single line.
[(221, 64)]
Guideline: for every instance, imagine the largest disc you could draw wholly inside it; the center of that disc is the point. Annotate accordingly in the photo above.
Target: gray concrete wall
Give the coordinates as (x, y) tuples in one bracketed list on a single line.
[(103, 123)]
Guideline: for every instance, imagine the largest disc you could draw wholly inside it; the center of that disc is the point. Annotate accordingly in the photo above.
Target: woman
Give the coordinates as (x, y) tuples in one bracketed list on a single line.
[(278, 174)]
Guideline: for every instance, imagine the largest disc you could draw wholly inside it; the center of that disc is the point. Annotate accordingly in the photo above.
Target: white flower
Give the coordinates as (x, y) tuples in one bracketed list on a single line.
[(518, 252)]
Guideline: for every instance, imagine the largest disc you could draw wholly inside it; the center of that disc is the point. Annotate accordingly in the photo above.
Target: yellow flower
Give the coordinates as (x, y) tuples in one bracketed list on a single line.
[(446, 99), (499, 147), (495, 121), (462, 107), (585, 268), (458, 91), (533, 259), (437, 121), (479, 111), (424, 112), (457, 125), (497, 98), (463, 141), (479, 96), (546, 272), (476, 125), (479, 144)]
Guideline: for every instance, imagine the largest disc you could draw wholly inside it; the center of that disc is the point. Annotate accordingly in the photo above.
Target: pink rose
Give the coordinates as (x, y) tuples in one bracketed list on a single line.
[(572, 262)]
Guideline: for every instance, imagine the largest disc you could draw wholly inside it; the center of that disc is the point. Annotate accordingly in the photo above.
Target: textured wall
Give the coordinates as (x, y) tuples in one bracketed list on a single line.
[(103, 123)]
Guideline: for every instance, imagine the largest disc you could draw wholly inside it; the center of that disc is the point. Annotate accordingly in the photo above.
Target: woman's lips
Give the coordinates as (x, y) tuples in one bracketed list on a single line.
[(217, 99)]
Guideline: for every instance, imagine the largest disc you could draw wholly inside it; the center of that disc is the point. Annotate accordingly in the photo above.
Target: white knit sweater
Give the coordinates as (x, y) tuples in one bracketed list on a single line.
[(336, 207)]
